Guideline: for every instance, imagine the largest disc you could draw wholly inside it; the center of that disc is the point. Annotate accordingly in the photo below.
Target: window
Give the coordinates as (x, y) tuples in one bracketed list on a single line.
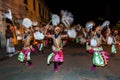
[(39, 9), (34, 4), (26, 2)]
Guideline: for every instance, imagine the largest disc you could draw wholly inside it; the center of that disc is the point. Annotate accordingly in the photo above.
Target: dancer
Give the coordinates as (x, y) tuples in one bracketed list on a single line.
[(100, 57), (24, 55), (87, 32), (57, 53), (115, 42)]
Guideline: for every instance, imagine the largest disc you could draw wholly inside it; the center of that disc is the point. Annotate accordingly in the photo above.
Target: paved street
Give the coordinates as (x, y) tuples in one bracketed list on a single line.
[(76, 66)]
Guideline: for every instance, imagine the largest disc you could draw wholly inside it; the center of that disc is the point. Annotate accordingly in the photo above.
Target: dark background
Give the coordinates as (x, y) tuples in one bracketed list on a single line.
[(85, 10)]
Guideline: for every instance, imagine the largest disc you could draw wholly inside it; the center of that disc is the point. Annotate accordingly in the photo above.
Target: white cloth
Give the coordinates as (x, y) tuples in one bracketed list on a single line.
[(8, 48), (19, 35), (109, 40), (93, 42), (38, 35), (72, 33)]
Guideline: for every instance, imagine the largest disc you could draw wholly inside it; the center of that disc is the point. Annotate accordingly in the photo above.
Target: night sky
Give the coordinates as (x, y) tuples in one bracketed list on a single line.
[(85, 10)]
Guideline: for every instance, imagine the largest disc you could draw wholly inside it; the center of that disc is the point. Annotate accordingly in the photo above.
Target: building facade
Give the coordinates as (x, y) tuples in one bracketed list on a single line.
[(36, 10)]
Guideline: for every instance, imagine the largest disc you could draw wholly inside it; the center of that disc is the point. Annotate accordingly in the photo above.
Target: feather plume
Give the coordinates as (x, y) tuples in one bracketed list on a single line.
[(38, 35), (27, 23), (72, 33), (67, 18), (8, 15), (105, 23), (55, 19), (89, 25), (35, 23)]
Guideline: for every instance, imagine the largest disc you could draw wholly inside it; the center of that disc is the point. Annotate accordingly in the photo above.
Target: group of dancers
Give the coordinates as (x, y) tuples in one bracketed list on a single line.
[(60, 32), (90, 35)]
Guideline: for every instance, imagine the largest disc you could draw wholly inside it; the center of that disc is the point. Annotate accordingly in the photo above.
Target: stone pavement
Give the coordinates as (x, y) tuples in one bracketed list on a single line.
[(3, 51), (76, 66)]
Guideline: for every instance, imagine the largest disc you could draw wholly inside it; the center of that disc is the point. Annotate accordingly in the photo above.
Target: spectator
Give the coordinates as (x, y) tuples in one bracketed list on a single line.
[(10, 48)]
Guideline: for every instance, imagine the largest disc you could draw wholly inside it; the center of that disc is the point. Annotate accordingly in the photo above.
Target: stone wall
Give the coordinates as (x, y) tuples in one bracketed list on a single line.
[(20, 10)]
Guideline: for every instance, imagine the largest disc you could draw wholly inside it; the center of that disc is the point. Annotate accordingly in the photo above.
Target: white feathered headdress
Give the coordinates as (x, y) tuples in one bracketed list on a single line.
[(27, 23), (72, 33), (55, 19), (34, 23), (38, 35), (105, 23), (89, 25), (67, 18)]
